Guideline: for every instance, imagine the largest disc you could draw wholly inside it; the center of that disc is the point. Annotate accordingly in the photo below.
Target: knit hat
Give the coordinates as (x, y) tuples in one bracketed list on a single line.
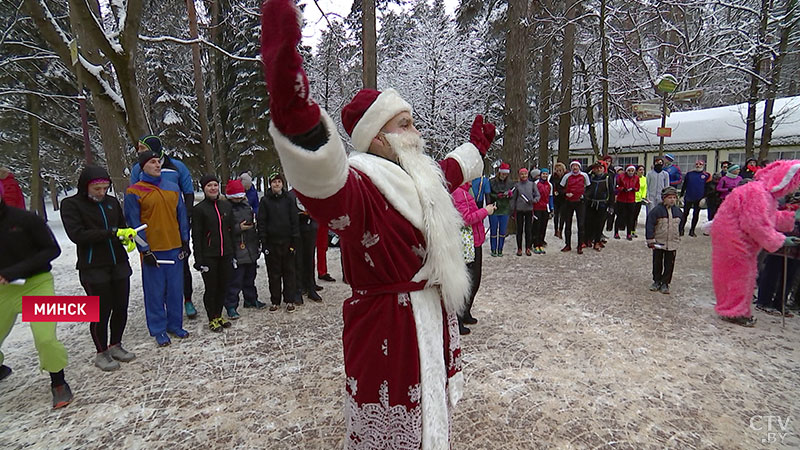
[(631, 166), (235, 189), (733, 167), (574, 163), (669, 190), (368, 112), (523, 171), (669, 157), (535, 173), (153, 143), (504, 168), (147, 156), (205, 179), (277, 175), (99, 180), (545, 170)]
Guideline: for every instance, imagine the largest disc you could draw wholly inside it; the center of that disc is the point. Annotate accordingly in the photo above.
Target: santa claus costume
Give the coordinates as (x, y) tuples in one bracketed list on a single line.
[(400, 244), (748, 221)]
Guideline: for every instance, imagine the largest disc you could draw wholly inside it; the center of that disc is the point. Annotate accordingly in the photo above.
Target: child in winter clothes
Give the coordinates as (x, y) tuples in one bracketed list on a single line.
[(663, 237), (522, 200), (541, 211)]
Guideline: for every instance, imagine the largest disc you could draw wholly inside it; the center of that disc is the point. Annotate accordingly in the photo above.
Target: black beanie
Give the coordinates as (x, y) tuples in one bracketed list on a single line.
[(153, 143), (146, 156), (207, 179)]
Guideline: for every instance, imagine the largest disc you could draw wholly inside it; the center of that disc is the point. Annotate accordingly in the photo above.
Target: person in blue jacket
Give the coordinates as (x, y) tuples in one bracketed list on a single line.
[(692, 191), (250, 190), (174, 171), (675, 174), (480, 190)]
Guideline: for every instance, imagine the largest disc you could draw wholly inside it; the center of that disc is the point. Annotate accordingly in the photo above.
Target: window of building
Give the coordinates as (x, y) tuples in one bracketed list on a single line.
[(626, 161)]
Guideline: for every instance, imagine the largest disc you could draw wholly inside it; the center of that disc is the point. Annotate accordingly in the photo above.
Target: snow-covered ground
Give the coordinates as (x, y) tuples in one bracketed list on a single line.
[(571, 352)]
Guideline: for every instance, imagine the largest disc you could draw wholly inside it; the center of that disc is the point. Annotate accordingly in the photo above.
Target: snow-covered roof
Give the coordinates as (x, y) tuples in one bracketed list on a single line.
[(722, 127)]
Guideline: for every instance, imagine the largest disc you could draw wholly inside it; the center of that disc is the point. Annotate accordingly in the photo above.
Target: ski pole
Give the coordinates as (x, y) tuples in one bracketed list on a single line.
[(165, 261)]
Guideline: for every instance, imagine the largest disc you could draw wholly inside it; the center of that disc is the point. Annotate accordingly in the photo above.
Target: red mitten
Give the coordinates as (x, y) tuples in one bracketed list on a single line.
[(291, 107), (482, 134)]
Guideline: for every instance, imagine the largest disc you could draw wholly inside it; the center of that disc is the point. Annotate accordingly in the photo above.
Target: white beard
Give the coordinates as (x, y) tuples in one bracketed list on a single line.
[(444, 261)]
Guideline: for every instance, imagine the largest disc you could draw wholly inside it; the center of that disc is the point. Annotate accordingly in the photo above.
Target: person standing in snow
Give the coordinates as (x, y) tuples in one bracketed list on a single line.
[(246, 252), (599, 199), (158, 202), (523, 198), (627, 187), (692, 191), (729, 182), (212, 238), (500, 195), (657, 180), (174, 171), (574, 183), (250, 190), (641, 194), (542, 210), (304, 256), (94, 221), (675, 174), (661, 232), (400, 234), (28, 248), (559, 169)]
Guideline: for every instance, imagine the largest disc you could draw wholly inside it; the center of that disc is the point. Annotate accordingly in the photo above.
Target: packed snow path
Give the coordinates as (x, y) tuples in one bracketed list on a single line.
[(572, 351)]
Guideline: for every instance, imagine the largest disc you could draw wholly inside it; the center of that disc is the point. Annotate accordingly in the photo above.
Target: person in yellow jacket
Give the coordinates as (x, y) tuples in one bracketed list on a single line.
[(641, 194)]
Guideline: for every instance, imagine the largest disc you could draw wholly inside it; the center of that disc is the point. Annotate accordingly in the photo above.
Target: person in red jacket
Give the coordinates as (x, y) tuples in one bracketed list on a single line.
[(542, 210), (12, 193), (575, 183), (627, 186)]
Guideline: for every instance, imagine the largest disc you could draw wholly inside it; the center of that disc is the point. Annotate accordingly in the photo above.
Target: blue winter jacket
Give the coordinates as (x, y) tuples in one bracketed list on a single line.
[(480, 190), (694, 185)]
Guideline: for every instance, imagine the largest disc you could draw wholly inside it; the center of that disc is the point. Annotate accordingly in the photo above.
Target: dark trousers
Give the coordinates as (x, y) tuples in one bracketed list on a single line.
[(306, 247), (558, 222), (243, 279), (663, 264), (524, 226), (626, 217), (595, 219), (770, 280), (475, 269), (281, 269), (113, 295), (540, 227), (695, 207), (216, 284), (636, 213), (579, 209), (187, 281), (712, 209), (611, 218)]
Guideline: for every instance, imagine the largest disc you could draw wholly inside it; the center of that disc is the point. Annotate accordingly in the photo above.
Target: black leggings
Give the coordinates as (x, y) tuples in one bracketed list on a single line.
[(626, 218), (695, 207), (216, 284), (540, 227), (524, 225), (113, 306), (566, 215)]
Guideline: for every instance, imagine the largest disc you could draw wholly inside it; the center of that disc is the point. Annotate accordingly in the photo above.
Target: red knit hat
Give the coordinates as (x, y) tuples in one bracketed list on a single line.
[(235, 189), (368, 112), (505, 168)]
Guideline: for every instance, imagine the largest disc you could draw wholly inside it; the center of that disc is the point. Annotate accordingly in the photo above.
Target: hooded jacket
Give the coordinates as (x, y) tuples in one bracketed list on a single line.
[(27, 244), (93, 225), (12, 194)]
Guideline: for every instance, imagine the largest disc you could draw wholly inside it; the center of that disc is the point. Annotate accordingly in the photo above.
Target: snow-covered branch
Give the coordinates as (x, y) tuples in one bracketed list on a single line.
[(199, 40), (41, 119)]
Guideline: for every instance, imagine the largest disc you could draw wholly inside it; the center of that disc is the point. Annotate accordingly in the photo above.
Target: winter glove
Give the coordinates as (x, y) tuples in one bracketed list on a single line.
[(291, 108), (791, 241), (651, 245), (482, 134), (185, 251), (125, 234), (149, 258), (198, 266)]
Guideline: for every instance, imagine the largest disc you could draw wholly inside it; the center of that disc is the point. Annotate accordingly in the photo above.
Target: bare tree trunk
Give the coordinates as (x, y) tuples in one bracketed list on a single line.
[(772, 89), (516, 108), (37, 204), (369, 39), (199, 91), (545, 91), (564, 116), (752, 99), (587, 92), (604, 75), (220, 141)]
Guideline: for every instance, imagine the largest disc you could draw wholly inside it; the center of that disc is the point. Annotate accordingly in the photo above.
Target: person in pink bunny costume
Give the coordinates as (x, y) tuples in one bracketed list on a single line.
[(748, 221)]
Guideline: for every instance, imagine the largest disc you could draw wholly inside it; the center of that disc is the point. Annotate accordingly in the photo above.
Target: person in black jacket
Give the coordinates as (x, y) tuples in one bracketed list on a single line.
[(28, 246), (304, 257), (93, 220), (245, 248), (278, 230), (212, 221), (599, 200)]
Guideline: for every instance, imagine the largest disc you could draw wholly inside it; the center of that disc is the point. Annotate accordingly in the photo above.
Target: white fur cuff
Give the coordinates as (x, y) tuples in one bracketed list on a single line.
[(316, 174), (470, 160)]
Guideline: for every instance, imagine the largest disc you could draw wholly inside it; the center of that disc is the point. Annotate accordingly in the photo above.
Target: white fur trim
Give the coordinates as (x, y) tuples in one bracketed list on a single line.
[(316, 174), (387, 105), (470, 160), (787, 178), (433, 374), (393, 182)]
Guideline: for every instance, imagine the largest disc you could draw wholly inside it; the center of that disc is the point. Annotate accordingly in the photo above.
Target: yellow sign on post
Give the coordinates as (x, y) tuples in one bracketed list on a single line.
[(73, 51)]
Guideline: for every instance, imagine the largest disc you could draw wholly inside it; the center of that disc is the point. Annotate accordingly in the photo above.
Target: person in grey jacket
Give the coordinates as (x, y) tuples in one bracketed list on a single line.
[(522, 200), (657, 180), (663, 236), (246, 252)]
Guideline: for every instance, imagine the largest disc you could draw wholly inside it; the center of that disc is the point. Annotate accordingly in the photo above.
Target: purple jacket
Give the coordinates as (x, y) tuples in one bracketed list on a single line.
[(726, 185)]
